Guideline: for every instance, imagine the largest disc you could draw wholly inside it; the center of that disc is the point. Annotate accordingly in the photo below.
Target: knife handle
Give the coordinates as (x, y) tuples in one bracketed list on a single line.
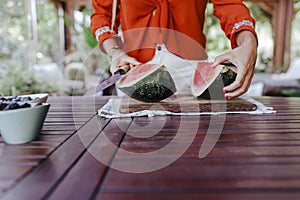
[(227, 63), (122, 70), (119, 72)]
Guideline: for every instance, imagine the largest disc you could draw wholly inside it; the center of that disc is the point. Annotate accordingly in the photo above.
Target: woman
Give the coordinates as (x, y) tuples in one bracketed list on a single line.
[(178, 26)]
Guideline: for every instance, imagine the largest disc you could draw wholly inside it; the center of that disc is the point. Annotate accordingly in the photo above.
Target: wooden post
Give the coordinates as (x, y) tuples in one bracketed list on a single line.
[(282, 22), (68, 7), (32, 31)]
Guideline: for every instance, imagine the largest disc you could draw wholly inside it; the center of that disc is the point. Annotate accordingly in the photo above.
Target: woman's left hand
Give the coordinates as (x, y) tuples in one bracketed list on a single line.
[(244, 58)]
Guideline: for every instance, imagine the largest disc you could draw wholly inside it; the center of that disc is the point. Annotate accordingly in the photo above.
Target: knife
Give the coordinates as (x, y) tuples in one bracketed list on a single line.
[(110, 81), (98, 90)]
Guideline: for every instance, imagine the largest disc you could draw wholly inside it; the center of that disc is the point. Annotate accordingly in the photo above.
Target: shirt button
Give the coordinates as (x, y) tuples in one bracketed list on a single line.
[(158, 48)]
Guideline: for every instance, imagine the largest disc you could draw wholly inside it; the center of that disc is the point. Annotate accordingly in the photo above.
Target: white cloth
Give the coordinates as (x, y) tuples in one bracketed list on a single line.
[(181, 70), (111, 110)]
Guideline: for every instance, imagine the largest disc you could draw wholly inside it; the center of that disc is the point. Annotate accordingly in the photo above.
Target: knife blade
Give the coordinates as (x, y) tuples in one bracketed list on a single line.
[(110, 81)]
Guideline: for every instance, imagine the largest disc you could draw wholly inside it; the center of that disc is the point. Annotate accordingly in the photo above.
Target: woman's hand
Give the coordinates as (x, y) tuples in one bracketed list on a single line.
[(244, 58), (120, 60)]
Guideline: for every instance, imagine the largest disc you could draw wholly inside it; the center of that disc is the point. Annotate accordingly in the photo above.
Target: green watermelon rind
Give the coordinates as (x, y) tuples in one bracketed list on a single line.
[(216, 87), (154, 87)]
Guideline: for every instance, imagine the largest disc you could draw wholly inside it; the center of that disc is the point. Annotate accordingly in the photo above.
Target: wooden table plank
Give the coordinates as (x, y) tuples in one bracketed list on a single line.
[(197, 195), (89, 170), (49, 172), (17, 161), (256, 156)]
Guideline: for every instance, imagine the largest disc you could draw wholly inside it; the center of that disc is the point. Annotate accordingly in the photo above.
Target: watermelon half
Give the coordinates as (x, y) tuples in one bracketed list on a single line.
[(148, 83), (208, 82)]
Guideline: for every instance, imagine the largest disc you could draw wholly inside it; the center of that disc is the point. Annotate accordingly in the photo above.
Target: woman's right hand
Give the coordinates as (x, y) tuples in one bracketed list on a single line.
[(120, 60)]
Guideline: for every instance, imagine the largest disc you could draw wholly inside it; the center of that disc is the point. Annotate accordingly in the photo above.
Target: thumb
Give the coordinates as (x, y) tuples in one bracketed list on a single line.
[(133, 61), (220, 59)]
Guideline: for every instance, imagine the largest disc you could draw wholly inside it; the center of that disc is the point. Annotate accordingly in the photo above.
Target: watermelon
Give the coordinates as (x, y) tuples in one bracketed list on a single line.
[(147, 83), (208, 82)]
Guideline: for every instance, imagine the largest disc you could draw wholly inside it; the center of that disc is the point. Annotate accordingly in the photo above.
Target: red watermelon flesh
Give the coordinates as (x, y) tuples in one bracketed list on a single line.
[(137, 73), (208, 81), (148, 83), (204, 76)]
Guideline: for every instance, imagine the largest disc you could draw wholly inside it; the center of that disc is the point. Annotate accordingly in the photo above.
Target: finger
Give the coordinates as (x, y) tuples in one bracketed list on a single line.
[(113, 69), (242, 73), (125, 67), (235, 85), (133, 62), (221, 58), (231, 89), (127, 60), (132, 66), (240, 90), (117, 66)]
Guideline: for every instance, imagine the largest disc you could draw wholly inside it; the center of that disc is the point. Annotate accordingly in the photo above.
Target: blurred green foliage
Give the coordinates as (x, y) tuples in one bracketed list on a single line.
[(17, 79), (14, 37), (14, 30)]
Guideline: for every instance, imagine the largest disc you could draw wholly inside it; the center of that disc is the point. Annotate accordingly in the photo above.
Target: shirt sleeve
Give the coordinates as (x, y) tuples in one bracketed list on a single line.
[(234, 17), (101, 20)]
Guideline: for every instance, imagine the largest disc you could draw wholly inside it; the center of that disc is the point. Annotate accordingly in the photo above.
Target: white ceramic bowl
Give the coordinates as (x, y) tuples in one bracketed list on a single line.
[(24, 124), (41, 98)]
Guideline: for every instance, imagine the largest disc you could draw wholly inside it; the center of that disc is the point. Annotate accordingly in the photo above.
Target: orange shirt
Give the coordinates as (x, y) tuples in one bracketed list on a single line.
[(176, 23)]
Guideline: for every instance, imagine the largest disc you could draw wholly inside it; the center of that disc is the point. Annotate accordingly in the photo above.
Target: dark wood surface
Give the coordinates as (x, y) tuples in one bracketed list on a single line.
[(185, 105), (255, 157)]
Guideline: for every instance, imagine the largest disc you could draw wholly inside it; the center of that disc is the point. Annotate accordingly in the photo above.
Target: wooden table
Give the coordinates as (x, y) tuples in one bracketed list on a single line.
[(256, 157)]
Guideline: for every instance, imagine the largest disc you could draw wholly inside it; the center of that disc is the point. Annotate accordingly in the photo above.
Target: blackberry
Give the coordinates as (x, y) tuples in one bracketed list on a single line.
[(12, 106), (16, 102), (2, 105)]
